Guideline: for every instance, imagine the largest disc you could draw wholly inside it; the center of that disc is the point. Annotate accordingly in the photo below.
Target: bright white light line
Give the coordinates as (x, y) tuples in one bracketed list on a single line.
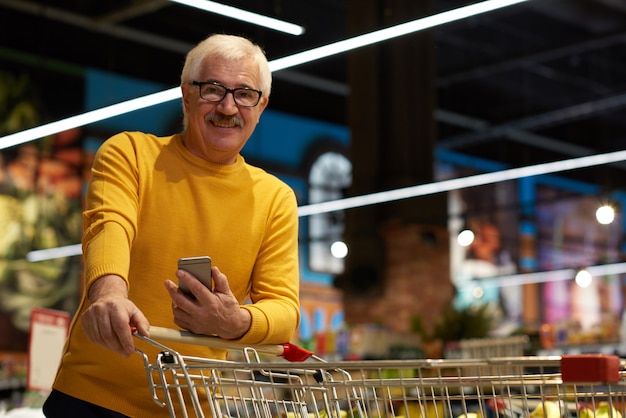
[(391, 32), (416, 191), (500, 281), (89, 117), (550, 276), (275, 65), (461, 183), (52, 253), (239, 14)]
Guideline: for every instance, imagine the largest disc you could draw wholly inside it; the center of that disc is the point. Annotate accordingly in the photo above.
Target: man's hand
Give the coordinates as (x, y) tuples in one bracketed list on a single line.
[(211, 313), (110, 316)]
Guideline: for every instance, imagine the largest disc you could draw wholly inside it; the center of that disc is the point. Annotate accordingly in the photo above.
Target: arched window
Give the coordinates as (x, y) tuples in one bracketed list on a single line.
[(330, 176)]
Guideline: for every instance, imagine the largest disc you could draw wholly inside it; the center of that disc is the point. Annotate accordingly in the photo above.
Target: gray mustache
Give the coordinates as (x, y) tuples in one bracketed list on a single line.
[(220, 118)]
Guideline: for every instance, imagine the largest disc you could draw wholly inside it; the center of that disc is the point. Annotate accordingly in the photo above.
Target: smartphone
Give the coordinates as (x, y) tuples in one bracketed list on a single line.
[(200, 267)]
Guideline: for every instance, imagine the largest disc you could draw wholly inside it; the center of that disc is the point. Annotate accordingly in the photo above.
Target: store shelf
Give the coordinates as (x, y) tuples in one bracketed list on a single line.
[(609, 348)]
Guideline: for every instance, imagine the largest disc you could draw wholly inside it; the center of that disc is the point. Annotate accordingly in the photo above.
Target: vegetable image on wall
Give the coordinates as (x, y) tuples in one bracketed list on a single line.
[(40, 208)]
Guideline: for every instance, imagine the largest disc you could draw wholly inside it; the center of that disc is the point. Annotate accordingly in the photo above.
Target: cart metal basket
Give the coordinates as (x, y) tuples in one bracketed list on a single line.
[(585, 386)]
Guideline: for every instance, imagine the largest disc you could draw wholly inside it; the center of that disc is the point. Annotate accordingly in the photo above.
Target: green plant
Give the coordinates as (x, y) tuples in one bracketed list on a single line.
[(470, 322)]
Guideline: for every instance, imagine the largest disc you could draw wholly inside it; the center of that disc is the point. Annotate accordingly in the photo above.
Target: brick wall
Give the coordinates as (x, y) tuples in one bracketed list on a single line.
[(416, 279)]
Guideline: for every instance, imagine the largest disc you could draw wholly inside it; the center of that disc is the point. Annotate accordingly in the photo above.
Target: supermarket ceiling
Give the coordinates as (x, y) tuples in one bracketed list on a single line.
[(539, 81)]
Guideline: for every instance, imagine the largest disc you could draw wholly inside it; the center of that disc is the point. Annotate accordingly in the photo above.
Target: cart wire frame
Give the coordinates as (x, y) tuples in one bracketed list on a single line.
[(584, 386)]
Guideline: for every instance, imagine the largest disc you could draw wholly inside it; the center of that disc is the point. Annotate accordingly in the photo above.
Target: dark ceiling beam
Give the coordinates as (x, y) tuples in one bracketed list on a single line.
[(318, 83), (107, 26), (516, 129), (95, 25), (136, 9), (530, 60), (479, 125), (618, 5), (517, 135)]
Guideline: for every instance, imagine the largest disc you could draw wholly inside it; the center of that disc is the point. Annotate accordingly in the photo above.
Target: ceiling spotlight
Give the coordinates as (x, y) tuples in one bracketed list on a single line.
[(583, 278), (465, 238), (605, 214), (478, 292), (339, 249)]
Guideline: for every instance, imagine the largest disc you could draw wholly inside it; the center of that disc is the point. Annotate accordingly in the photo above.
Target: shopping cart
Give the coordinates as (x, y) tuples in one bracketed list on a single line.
[(258, 384)]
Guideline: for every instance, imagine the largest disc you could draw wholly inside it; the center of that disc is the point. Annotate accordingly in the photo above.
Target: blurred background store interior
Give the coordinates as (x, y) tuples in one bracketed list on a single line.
[(509, 122)]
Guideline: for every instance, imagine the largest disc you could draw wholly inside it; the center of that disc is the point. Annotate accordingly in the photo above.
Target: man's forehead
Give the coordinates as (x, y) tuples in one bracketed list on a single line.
[(220, 67)]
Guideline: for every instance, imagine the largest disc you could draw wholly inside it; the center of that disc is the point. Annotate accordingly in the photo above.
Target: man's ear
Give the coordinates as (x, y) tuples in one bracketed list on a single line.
[(185, 91), (263, 104)]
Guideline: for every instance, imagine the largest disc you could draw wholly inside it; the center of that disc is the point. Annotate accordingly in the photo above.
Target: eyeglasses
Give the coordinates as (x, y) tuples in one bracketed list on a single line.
[(215, 92)]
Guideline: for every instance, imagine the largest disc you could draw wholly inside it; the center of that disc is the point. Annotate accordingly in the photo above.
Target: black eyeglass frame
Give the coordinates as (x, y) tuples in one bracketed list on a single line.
[(226, 91)]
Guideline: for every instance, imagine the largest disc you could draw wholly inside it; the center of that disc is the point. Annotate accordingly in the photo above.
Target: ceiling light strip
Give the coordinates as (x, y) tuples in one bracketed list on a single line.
[(52, 253), (276, 65), (243, 15), (89, 117), (499, 281), (525, 278), (460, 183), (549, 276), (416, 191), (389, 33)]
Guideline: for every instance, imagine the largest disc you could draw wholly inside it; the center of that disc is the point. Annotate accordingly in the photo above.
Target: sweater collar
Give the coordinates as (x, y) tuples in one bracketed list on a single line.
[(193, 159)]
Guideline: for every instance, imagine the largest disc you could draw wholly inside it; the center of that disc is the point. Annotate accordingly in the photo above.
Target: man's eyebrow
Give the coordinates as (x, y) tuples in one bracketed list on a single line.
[(241, 85)]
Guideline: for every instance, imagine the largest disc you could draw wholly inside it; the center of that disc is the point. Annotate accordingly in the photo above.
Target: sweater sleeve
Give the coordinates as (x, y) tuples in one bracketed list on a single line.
[(110, 215), (275, 280)]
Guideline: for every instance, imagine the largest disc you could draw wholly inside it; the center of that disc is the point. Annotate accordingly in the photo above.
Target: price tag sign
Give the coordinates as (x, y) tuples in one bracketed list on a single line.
[(48, 331)]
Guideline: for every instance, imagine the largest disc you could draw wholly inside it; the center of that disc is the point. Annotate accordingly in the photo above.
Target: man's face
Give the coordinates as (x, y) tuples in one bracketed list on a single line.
[(217, 131)]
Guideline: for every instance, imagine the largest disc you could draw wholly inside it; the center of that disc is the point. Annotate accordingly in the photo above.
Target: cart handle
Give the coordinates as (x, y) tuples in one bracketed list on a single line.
[(288, 351)]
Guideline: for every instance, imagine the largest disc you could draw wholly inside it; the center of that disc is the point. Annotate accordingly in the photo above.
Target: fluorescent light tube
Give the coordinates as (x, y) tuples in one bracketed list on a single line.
[(550, 276), (240, 14), (454, 184), (461, 183), (389, 33), (51, 253), (89, 117)]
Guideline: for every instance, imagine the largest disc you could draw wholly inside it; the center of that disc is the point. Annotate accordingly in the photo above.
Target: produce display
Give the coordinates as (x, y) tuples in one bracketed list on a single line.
[(547, 409), (602, 410), (499, 409)]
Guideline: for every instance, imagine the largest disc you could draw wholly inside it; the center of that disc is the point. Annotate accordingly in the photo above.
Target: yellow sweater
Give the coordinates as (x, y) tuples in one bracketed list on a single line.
[(150, 202)]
